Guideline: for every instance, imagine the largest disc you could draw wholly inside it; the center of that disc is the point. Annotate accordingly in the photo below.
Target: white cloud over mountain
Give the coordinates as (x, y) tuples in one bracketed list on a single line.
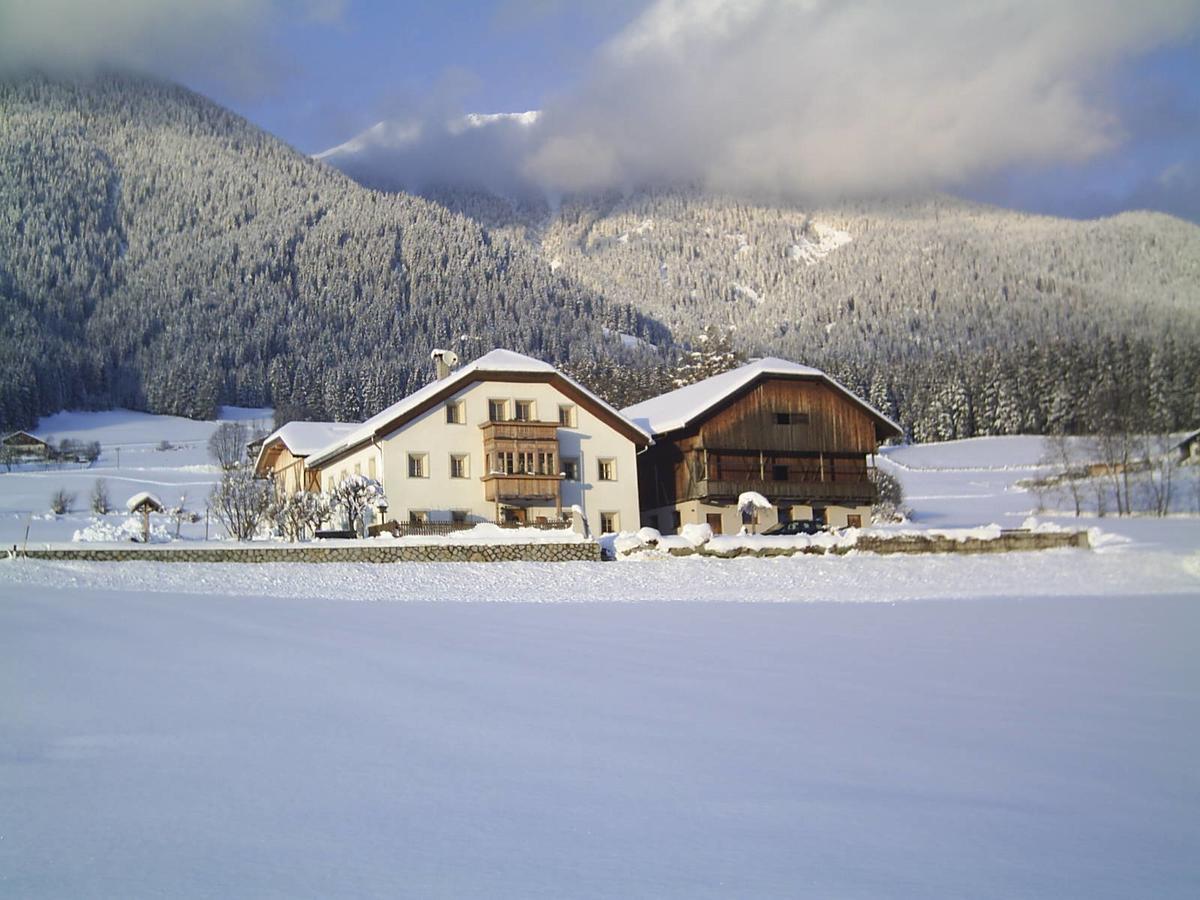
[(818, 97)]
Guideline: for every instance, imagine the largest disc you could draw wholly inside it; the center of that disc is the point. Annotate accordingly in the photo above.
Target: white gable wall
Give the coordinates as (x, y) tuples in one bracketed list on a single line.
[(439, 494)]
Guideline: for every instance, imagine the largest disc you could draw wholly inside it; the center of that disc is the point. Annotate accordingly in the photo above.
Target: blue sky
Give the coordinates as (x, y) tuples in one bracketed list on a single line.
[(1072, 107), (382, 59)]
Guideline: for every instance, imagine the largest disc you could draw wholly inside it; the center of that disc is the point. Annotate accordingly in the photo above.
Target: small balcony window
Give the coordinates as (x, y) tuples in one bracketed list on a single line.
[(497, 410), (525, 411)]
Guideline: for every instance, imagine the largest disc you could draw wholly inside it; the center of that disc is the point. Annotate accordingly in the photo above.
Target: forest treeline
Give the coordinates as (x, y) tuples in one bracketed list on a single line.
[(159, 252)]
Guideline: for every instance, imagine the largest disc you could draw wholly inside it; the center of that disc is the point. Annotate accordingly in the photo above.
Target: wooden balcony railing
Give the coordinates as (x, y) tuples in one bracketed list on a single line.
[(862, 491), (521, 487), (536, 432)]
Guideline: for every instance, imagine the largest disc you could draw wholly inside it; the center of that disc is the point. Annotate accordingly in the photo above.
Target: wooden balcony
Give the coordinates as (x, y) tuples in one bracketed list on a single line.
[(857, 492), (523, 489), (519, 432)]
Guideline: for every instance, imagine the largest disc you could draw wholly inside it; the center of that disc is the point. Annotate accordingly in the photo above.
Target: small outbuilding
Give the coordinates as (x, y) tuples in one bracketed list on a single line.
[(24, 444), (1189, 448), (144, 503)]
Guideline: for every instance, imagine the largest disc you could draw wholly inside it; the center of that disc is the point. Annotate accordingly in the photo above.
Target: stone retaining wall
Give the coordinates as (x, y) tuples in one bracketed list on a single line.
[(579, 551)]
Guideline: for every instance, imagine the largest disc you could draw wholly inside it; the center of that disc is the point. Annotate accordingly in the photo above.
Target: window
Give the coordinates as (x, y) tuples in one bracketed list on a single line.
[(502, 463), (525, 411), (460, 465), (358, 468), (371, 467), (418, 465), (329, 485), (779, 473), (456, 412), (418, 517), (610, 523), (853, 521), (497, 410), (570, 469), (607, 470), (791, 418), (566, 415), (458, 516)]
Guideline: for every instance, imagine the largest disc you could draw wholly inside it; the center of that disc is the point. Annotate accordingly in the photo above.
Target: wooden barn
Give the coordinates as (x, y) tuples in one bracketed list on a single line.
[(23, 445), (786, 431)]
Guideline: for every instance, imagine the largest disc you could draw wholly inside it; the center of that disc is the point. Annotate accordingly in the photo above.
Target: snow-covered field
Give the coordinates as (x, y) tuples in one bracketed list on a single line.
[(1020, 725), (130, 461)]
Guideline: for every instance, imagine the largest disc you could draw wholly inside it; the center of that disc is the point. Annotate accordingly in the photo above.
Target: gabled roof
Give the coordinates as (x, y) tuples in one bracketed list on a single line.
[(303, 438), (21, 434), (144, 498), (679, 408), (498, 365), (1188, 438)]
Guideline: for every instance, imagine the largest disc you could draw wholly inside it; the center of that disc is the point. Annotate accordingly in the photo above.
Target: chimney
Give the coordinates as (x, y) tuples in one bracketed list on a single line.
[(444, 362)]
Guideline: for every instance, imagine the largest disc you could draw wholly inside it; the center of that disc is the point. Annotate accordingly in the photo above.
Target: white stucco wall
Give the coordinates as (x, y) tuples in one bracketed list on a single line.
[(439, 494), (696, 513)]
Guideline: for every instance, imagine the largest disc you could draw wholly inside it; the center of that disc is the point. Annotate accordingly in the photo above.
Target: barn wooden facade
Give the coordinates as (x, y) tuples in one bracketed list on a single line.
[(785, 431)]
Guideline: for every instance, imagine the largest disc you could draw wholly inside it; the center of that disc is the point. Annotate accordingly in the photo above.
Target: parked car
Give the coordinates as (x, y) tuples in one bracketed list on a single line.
[(796, 526)]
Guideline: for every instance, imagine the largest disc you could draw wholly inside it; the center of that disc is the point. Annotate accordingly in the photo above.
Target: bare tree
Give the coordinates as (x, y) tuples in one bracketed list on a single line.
[(1059, 452), (227, 445), (179, 513), (100, 500), (299, 513), (354, 496), (1157, 483), (61, 502), (240, 502)]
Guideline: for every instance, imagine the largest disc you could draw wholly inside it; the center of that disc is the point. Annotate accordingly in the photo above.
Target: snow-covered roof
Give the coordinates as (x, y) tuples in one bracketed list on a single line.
[(498, 362), (143, 497), (678, 408), (303, 438)]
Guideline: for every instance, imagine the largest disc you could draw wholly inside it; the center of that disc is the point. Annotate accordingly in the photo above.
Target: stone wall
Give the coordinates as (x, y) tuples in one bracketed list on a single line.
[(1007, 542), (581, 551)]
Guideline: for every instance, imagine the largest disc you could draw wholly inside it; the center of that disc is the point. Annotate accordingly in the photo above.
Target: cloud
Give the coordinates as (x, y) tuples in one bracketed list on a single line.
[(834, 97), (815, 99), (226, 41)]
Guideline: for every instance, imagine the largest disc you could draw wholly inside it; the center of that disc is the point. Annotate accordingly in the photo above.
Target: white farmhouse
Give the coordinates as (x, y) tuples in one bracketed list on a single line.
[(505, 438)]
